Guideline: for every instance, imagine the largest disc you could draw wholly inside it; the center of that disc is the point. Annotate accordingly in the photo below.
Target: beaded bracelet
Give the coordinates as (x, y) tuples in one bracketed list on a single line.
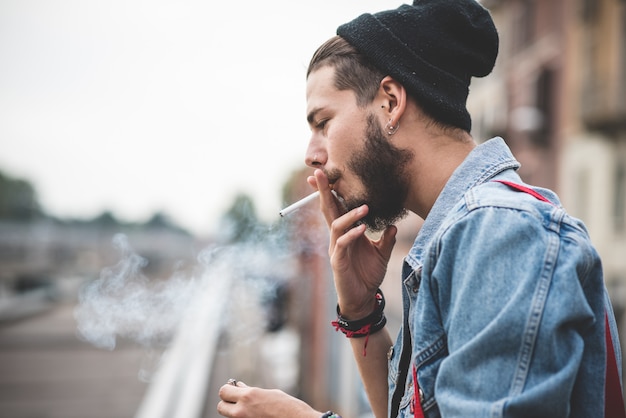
[(330, 414), (364, 327)]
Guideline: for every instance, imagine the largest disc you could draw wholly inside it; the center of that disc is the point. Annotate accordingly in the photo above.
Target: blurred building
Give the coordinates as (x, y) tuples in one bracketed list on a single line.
[(44, 261), (558, 97)]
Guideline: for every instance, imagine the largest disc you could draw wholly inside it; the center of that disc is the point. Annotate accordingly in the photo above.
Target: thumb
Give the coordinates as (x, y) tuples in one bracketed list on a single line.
[(387, 241)]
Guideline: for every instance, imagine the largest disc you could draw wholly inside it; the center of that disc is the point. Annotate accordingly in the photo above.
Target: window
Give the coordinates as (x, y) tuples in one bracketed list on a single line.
[(544, 91)]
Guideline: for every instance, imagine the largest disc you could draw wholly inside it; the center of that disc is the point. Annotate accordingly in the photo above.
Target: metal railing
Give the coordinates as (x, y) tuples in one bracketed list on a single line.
[(179, 386)]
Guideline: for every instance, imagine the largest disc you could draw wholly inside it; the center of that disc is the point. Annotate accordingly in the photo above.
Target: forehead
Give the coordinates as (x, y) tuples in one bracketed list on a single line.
[(321, 91), (320, 79)]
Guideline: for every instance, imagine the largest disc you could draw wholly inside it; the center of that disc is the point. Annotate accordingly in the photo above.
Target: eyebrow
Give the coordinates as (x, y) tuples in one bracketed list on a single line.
[(311, 116)]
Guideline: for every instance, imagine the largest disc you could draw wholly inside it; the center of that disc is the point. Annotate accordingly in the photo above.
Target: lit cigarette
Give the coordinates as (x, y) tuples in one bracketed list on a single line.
[(297, 205)]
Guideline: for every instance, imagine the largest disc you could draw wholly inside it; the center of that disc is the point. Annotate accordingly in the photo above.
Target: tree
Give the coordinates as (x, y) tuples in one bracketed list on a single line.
[(18, 199), (240, 222), (105, 220)]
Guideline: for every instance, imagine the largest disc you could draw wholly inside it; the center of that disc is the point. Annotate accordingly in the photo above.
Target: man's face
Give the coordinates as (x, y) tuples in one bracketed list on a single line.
[(359, 160)]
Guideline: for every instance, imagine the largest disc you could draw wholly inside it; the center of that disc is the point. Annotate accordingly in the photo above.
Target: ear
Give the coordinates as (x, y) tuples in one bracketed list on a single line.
[(394, 99)]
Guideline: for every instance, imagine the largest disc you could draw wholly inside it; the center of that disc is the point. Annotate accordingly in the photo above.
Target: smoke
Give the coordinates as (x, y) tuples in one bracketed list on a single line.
[(125, 304), (242, 286)]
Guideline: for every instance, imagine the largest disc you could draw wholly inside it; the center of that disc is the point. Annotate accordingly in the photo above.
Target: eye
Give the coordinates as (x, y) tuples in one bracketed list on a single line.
[(321, 124)]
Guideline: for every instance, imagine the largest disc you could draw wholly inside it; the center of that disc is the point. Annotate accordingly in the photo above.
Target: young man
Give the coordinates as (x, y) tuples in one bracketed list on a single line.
[(504, 300)]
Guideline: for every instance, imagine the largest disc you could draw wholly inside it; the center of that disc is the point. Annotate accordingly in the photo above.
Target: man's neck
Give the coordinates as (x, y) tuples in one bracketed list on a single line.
[(436, 158)]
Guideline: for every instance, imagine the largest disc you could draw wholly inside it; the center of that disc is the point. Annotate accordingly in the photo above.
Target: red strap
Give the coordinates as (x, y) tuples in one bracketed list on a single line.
[(364, 330), (524, 189), (416, 403), (613, 399)]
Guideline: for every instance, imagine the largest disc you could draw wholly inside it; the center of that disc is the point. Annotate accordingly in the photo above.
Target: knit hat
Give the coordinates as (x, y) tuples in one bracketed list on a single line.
[(433, 48)]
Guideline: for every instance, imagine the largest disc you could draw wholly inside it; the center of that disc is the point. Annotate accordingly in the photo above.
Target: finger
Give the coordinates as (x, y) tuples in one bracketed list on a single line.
[(348, 220), (344, 224), (312, 182), (348, 237), (328, 202), (224, 408), (229, 393)]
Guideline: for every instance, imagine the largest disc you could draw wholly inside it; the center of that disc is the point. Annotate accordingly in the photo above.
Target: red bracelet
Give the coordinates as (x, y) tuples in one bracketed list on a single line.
[(364, 327)]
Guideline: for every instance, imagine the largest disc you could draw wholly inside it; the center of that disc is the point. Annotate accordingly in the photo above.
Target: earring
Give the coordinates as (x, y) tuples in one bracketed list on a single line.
[(392, 129)]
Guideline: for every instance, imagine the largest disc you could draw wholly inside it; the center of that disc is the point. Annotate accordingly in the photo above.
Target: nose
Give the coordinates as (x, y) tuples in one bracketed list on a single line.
[(316, 155)]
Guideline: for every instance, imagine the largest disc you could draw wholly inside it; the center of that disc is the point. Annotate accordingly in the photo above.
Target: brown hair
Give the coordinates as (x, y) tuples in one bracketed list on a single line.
[(352, 71)]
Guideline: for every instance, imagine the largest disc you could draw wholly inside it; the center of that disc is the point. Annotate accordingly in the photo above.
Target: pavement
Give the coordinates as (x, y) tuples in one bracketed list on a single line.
[(46, 371)]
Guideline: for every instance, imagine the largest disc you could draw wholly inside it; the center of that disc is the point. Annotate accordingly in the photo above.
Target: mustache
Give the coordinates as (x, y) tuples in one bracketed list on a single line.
[(333, 175)]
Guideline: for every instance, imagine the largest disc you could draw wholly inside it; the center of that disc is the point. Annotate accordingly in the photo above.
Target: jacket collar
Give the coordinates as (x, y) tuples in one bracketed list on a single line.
[(482, 164)]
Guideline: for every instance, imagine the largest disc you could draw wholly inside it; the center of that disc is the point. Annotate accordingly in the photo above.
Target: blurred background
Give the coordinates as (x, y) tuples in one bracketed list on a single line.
[(147, 146)]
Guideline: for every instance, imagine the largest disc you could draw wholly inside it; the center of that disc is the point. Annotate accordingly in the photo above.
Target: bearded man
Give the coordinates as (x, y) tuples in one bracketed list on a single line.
[(505, 309)]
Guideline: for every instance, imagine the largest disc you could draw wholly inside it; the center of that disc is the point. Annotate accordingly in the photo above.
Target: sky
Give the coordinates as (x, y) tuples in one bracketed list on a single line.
[(139, 106)]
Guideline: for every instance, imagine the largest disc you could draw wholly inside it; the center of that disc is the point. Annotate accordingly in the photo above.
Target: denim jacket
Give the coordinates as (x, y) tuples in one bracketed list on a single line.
[(504, 304)]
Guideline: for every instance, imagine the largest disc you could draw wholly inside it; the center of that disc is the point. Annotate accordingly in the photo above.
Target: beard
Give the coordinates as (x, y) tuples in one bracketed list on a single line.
[(382, 168)]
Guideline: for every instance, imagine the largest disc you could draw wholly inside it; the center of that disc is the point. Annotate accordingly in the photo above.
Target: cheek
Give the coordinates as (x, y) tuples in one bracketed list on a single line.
[(335, 149), (341, 144)]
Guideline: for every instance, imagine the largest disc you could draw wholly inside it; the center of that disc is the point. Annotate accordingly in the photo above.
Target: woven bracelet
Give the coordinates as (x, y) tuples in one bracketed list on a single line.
[(330, 414), (364, 327), (355, 325)]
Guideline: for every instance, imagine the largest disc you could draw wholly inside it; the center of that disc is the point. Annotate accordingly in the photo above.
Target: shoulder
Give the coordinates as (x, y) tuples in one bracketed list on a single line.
[(515, 195), (493, 204), (493, 214), (492, 218)]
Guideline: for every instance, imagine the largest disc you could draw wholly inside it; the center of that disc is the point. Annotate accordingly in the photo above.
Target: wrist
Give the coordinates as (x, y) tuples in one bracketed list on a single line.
[(372, 321), (365, 326), (355, 312)]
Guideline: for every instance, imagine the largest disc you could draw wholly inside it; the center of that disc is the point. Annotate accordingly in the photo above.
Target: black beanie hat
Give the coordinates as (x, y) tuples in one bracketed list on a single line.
[(433, 48)]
